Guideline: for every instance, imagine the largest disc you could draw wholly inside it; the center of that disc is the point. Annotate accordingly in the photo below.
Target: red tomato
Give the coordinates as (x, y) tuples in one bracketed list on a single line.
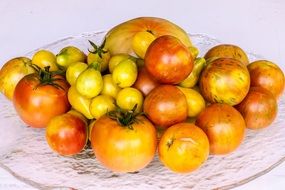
[(259, 108), (168, 61), (39, 97), (124, 147), (67, 134), (145, 83), (166, 105), (224, 126)]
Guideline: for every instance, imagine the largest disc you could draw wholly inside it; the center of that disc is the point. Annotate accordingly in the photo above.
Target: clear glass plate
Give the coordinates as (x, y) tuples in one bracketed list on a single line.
[(25, 153)]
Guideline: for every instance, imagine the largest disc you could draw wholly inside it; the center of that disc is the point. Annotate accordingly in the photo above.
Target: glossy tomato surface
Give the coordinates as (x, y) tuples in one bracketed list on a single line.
[(37, 105), (168, 61)]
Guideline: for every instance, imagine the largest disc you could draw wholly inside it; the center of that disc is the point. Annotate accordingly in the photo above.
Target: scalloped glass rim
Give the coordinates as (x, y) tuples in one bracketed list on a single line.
[(35, 164)]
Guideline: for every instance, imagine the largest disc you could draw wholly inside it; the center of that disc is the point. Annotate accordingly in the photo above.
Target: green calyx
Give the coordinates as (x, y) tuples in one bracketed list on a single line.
[(47, 77), (98, 50), (125, 118)]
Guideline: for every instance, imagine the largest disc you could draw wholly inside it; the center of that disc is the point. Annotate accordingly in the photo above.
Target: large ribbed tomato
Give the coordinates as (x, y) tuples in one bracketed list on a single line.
[(168, 61)]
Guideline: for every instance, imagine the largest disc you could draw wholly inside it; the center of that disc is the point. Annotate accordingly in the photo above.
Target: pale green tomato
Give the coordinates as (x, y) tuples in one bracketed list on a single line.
[(116, 59), (129, 97), (79, 103), (69, 55), (89, 83), (109, 87), (74, 70), (101, 104), (125, 73)]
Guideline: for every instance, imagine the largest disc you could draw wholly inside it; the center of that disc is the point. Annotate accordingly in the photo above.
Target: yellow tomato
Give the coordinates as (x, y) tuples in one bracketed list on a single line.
[(109, 87), (79, 102), (99, 55), (116, 59), (195, 101), (44, 58), (125, 73), (74, 70), (141, 41), (69, 55), (129, 97), (101, 104)]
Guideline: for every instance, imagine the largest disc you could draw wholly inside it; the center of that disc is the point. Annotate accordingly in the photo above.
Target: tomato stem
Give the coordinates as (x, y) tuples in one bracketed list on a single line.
[(98, 50)]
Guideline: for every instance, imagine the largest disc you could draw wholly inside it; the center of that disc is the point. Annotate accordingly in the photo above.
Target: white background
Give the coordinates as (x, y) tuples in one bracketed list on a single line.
[(255, 25)]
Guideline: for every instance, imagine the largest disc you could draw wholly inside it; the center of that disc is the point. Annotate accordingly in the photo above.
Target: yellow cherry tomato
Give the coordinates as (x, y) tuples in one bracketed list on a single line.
[(79, 102), (129, 97), (74, 70), (101, 104), (89, 83), (116, 59), (125, 73), (195, 101), (69, 55), (44, 58), (109, 87), (141, 41), (99, 55)]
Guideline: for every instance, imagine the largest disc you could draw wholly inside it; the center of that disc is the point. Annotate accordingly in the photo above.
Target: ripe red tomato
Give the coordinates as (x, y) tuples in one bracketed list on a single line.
[(225, 80), (259, 108), (145, 83), (267, 75), (224, 126), (67, 134), (166, 105), (183, 147), (168, 61), (124, 146), (38, 97)]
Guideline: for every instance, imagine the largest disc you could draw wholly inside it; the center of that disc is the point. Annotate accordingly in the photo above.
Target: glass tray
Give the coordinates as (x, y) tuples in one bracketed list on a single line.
[(25, 154)]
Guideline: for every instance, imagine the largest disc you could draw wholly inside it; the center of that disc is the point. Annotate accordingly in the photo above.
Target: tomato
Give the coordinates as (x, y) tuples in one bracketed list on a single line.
[(195, 101), (193, 77), (109, 87), (66, 134), (183, 147), (44, 58), (165, 105), (141, 42), (121, 144), (74, 70), (116, 59), (99, 55), (145, 83), (224, 126), (12, 72), (194, 51), (268, 75), (101, 104), (79, 102), (168, 61), (128, 98), (225, 80), (259, 108), (68, 55), (89, 83), (125, 73), (39, 97), (227, 51)]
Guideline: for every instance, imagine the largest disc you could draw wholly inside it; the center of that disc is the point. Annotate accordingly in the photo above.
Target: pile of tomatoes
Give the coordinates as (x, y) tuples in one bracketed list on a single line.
[(163, 99)]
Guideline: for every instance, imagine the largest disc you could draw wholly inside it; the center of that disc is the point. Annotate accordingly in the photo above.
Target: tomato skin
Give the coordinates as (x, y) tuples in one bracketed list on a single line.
[(12, 72), (224, 126), (259, 108), (267, 75), (145, 83), (183, 147), (121, 149), (129, 97), (166, 105), (66, 134), (224, 80), (37, 105), (141, 42), (168, 61), (44, 58)]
